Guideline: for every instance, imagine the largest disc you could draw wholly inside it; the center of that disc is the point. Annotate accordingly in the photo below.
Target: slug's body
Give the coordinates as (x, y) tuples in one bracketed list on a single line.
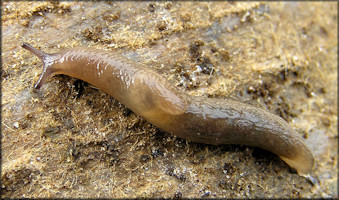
[(197, 119)]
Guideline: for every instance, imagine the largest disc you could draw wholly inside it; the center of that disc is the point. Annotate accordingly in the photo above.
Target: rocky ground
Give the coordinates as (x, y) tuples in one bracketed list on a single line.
[(71, 140)]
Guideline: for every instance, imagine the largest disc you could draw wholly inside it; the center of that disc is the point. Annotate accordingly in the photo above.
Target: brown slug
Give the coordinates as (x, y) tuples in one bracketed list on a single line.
[(202, 120)]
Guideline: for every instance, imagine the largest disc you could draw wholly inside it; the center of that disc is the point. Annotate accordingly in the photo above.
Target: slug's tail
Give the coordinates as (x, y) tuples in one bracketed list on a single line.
[(47, 60)]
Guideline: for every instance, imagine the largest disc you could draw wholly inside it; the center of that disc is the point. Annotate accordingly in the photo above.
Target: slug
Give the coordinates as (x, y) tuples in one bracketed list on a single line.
[(198, 119)]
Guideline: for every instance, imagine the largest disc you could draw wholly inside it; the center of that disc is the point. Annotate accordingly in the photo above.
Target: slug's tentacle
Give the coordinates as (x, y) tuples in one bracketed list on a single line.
[(40, 54), (47, 59), (197, 119)]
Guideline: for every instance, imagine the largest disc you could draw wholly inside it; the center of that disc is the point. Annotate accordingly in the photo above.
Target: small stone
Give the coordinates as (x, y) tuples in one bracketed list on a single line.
[(16, 124)]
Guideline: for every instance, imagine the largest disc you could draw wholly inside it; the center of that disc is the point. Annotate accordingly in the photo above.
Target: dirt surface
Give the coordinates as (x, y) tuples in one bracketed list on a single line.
[(71, 140)]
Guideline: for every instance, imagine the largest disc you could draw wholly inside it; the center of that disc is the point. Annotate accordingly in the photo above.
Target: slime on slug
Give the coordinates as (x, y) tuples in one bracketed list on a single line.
[(199, 119)]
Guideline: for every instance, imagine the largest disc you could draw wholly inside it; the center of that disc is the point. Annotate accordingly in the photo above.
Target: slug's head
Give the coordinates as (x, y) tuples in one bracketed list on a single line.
[(48, 60)]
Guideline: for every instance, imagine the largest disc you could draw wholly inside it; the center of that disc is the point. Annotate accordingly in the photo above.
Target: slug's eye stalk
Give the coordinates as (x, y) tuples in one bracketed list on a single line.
[(47, 60), (40, 54)]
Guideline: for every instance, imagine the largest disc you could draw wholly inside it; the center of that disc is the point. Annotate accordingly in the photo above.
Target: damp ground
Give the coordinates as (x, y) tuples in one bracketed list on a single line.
[(71, 140)]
